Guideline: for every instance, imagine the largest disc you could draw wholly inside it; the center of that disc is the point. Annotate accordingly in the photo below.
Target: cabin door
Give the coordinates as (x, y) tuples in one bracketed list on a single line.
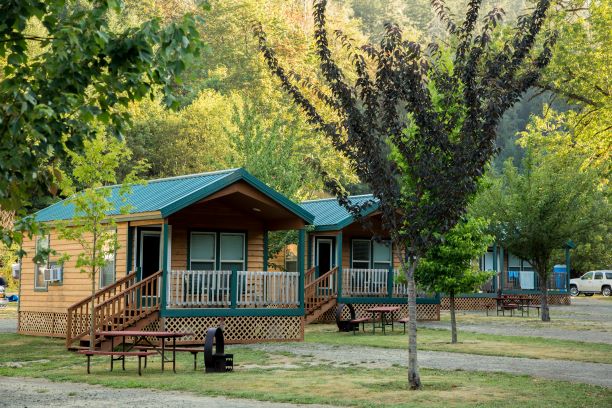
[(325, 248), (150, 257)]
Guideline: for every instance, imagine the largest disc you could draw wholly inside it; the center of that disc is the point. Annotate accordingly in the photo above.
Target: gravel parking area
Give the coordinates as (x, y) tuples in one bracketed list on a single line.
[(40, 393), (573, 371), (8, 325)]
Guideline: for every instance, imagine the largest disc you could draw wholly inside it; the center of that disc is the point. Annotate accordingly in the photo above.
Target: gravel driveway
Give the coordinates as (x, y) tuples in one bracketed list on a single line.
[(40, 393), (593, 312), (573, 371), (8, 325)]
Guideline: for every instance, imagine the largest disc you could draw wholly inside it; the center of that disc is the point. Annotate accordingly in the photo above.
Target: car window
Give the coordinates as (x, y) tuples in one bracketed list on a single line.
[(599, 275), (588, 275), (608, 275)]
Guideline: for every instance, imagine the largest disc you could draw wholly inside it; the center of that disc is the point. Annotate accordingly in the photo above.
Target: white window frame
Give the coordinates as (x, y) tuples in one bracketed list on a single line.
[(191, 259), (114, 278), (244, 248), (38, 267), (353, 260), (152, 234)]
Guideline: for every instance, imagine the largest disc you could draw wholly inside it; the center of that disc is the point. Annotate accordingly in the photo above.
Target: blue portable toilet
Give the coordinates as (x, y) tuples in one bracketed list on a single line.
[(559, 272)]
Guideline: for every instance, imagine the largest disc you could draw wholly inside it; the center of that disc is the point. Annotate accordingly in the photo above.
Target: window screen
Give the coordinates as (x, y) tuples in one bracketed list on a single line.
[(202, 251), (382, 255), (361, 254), (42, 247), (232, 252), (290, 261)]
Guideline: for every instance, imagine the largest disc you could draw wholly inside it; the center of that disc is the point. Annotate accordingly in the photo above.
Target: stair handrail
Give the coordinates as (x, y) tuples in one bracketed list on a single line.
[(321, 290), (80, 312), (309, 276), (128, 301)]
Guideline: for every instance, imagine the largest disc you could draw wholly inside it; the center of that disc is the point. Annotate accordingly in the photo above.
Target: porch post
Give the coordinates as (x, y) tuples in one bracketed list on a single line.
[(339, 262), (164, 278), (234, 288), (390, 281), (501, 268), (567, 267), (495, 268), (309, 260), (300, 260), (265, 251)]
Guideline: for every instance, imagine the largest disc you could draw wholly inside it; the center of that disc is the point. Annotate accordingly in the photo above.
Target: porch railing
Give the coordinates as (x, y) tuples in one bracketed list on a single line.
[(263, 288), (375, 283), (527, 280), (224, 289)]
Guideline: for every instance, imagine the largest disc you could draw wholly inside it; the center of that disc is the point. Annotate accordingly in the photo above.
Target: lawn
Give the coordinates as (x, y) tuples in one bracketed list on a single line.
[(278, 377), (472, 343)]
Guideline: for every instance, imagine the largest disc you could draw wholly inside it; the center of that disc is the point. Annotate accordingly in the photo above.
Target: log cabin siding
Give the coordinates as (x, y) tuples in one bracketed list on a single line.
[(75, 285)]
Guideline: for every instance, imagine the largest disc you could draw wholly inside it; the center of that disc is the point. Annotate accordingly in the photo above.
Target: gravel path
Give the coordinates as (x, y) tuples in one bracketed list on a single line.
[(39, 393), (588, 336), (573, 371), (8, 325)]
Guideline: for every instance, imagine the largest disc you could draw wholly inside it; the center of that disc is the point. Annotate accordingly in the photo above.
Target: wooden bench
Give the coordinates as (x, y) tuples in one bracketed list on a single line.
[(355, 323), (403, 321), (193, 350), (117, 355), (508, 306), (537, 307)]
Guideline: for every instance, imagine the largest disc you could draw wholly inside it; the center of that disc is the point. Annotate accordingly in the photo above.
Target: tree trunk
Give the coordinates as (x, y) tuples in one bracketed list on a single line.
[(453, 320), (544, 299), (91, 308), (414, 379)]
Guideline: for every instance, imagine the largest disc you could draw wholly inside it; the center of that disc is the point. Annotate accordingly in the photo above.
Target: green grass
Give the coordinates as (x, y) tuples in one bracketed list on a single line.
[(285, 378), (472, 343)]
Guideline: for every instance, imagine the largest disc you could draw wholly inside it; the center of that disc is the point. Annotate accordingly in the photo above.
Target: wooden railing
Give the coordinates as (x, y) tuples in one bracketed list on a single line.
[(79, 314), (266, 288), (199, 288), (321, 290), (365, 282), (214, 289), (310, 275), (126, 308)]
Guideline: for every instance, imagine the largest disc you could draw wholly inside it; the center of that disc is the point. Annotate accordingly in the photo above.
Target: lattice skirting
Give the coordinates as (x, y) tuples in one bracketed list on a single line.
[(237, 329), (424, 312), (42, 323), (482, 303)]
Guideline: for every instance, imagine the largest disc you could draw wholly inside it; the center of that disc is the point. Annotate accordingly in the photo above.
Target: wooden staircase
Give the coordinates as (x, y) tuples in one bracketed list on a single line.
[(320, 294), (125, 305)]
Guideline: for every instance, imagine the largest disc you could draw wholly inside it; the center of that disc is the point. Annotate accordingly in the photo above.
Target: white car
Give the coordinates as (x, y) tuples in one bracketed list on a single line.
[(591, 283)]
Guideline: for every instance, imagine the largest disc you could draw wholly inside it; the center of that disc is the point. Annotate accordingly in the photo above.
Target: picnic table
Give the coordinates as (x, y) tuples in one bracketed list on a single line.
[(141, 338), (513, 302), (384, 312)]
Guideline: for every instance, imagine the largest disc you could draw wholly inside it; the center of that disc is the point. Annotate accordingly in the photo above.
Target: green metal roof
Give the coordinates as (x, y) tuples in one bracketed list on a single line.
[(331, 216), (169, 195)]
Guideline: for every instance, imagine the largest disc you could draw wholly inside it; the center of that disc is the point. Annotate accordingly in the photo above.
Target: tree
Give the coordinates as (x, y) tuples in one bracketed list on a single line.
[(449, 266), (65, 71), (536, 210), (417, 125), (91, 226)]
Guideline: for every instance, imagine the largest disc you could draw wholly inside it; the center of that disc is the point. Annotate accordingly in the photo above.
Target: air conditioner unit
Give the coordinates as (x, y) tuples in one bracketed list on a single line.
[(53, 274), (16, 267)]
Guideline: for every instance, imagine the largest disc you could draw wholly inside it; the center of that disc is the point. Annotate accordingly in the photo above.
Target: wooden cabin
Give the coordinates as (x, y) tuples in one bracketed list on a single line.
[(193, 254), (358, 263), (515, 276)]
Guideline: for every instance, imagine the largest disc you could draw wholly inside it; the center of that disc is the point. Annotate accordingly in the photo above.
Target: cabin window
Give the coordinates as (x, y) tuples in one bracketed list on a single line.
[(42, 252), (232, 252), (290, 260), (381, 255), (361, 253), (202, 251), (107, 272)]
